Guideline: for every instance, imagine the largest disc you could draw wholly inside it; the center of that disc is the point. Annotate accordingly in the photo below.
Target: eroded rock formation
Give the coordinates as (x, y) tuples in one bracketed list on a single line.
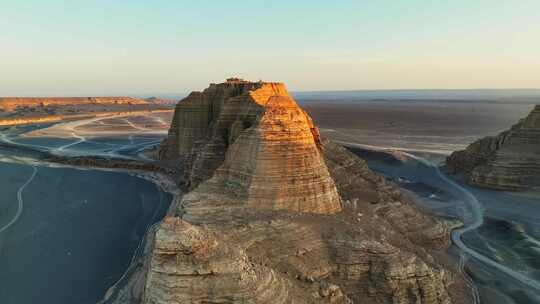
[(508, 161), (253, 143), (275, 214)]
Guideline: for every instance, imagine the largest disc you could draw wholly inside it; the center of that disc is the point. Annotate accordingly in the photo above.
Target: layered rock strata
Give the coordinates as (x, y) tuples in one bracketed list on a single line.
[(193, 264), (275, 214), (508, 161)]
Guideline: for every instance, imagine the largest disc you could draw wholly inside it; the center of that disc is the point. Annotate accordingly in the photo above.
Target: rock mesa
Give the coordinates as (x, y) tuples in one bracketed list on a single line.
[(273, 213), (508, 161), (11, 103), (254, 143)]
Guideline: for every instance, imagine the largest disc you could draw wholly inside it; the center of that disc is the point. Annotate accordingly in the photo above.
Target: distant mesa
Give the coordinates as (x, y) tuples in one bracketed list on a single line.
[(508, 161), (28, 110), (11, 103)]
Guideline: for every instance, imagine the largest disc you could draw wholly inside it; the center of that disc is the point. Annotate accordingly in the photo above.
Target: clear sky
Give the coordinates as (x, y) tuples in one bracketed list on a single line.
[(104, 47)]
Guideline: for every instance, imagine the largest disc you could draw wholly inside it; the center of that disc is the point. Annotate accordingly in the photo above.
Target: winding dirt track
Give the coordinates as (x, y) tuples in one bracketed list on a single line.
[(476, 220), (20, 201)]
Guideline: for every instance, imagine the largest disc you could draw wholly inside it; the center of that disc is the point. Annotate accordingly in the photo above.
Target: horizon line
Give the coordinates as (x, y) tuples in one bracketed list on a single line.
[(160, 94)]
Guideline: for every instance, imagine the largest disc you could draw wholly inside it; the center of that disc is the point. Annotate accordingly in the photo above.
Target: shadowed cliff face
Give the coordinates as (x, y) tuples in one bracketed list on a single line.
[(275, 214), (209, 115), (508, 161)]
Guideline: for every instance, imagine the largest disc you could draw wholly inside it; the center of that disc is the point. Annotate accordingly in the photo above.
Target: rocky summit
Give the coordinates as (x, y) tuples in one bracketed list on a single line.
[(273, 213), (508, 161)]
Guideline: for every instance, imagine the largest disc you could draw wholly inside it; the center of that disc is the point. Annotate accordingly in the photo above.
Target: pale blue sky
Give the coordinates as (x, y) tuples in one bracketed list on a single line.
[(164, 46)]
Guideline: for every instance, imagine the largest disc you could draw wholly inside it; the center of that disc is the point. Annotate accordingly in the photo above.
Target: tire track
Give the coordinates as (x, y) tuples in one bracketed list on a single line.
[(20, 201)]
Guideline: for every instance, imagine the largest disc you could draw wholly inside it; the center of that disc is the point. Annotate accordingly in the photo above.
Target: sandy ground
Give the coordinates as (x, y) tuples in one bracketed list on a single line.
[(115, 124), (429, 126)]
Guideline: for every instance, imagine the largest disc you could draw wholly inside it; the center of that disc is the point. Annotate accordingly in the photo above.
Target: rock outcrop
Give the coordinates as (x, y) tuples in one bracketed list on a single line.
[(508, 161), (192, 264), (251, 141), (275, 214)]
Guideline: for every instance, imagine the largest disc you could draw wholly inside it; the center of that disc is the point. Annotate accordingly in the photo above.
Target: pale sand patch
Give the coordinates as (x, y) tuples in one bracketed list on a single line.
[(86, 127)]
